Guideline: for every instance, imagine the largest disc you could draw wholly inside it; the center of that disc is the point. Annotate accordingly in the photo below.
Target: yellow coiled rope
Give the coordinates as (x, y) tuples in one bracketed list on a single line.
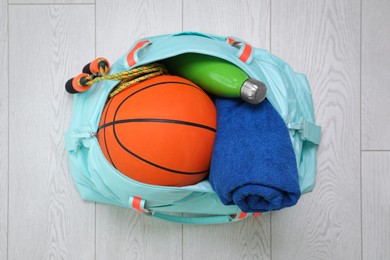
[(128, 78)]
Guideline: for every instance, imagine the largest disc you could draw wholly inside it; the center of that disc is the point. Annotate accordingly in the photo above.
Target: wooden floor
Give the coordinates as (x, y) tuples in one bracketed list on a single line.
[(341, 45)]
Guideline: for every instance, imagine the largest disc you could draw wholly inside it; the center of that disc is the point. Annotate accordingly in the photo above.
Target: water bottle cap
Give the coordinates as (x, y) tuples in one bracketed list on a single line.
[(253, 91)]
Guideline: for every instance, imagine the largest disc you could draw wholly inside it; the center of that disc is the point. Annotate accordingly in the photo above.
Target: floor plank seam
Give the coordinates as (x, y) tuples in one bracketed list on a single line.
[(8, 116), (360, 118), (374, 151), (44, 4)]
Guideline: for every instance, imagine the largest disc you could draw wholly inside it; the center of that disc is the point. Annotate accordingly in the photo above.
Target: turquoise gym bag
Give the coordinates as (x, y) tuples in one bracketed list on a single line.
[(97, 180)]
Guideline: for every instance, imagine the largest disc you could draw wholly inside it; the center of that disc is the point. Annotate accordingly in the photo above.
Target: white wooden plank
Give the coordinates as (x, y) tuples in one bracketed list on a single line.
[(250, 21), (376, 205), (322, 39), (124, 233), (119, 25), (375, 75), (247, 239), (3, 129), (47, 218)]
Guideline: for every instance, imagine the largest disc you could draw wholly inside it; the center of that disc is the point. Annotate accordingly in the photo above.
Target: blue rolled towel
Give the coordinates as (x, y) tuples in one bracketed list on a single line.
[(253, 163)]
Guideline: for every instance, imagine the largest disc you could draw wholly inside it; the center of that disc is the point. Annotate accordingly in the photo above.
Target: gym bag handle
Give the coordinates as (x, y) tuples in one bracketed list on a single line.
[(244, 53), (204, 220), (209, 36), (245, 50), (139, 205), (132, 56)]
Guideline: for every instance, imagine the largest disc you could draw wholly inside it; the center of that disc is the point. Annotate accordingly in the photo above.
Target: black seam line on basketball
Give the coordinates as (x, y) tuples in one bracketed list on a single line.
[(150, 86), (104, 134), (159, 166), (147, 87), (151, 163), (157, 120)]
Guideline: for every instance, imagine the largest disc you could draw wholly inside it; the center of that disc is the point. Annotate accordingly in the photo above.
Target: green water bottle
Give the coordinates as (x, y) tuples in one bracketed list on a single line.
[(217, 76)]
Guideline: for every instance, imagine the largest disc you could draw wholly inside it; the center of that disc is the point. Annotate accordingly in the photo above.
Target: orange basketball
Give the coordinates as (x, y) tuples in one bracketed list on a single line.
[(160, 131)]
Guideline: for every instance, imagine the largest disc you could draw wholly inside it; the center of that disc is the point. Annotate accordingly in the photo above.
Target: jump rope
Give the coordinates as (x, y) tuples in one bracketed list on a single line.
[(98, 69)]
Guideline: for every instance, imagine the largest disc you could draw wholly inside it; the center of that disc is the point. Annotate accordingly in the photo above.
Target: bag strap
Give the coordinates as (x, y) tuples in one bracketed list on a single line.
[(139, 205), (245, 52), (73, 139), (192, 220), (132, 56), (307, 130)]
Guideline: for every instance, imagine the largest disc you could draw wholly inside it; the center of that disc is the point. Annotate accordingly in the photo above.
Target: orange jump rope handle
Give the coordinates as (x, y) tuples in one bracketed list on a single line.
[(95, 66), (78, 84)]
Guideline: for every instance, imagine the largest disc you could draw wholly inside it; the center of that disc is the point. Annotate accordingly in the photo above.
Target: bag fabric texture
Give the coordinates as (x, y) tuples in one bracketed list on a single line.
[(97, 180)]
